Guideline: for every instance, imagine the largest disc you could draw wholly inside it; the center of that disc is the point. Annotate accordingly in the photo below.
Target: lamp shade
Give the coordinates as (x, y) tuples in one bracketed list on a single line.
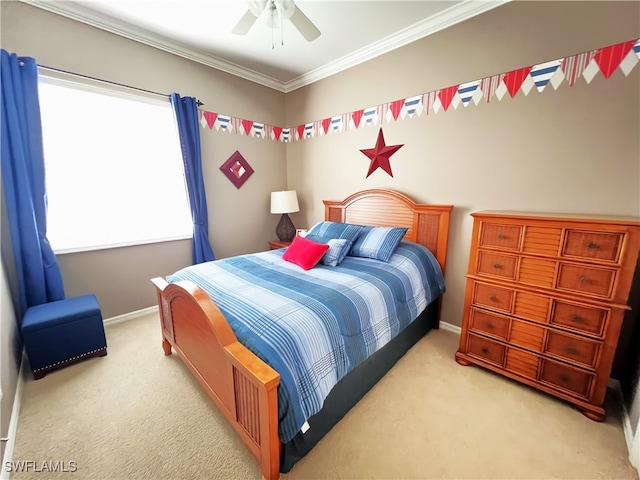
[(284, 202)]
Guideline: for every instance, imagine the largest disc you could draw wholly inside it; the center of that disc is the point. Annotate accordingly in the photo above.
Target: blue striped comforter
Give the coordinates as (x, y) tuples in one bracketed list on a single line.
[(315, 326)]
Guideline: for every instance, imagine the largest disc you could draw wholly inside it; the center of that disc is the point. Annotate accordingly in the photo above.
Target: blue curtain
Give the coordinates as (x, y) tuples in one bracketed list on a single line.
[(186, 112), (23, 181)]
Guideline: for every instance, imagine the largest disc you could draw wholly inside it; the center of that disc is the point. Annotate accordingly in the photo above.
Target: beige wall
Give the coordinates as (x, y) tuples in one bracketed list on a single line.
[(571, 150), (10, 354), (239, 219), (576, 149), (10, 342)]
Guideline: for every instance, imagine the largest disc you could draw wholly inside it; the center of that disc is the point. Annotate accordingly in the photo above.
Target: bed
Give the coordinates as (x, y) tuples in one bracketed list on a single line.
[(259, 402)]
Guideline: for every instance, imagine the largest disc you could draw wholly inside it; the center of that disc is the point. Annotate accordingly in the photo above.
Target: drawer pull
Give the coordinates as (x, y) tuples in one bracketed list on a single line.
[(489, 325), (484, 350), (577, 318), (501, 236), (564, 378), (593, 246), (585, 281), (493, 298), (497, 266), (571, 350)]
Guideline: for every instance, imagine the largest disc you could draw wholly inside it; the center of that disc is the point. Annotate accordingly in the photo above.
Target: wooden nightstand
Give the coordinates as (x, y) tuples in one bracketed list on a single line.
[(275, 244)]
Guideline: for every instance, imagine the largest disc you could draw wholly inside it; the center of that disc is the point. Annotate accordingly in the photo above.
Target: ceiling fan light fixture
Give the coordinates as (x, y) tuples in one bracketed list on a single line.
[(276, 12), (257, 6), (270, 18), (286, 8)]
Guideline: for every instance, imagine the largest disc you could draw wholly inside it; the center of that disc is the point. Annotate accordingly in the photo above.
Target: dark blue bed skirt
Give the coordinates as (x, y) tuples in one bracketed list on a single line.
[(355, 385)]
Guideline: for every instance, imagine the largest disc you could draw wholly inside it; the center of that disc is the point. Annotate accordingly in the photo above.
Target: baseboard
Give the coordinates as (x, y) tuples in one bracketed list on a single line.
[(634, 456), (13, 423), (634, 451), (450, 327), (130, 316), (22, 372)]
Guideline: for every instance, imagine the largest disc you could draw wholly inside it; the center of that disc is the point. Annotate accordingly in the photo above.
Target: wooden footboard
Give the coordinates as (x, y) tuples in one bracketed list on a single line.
[(242, 386)]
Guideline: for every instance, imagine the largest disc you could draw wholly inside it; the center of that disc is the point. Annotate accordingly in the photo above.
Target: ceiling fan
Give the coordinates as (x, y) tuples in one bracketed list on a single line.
[(274, 13)]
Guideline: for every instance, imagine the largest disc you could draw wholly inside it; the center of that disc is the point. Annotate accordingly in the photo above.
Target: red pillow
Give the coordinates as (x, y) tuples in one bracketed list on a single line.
[(304, 253)]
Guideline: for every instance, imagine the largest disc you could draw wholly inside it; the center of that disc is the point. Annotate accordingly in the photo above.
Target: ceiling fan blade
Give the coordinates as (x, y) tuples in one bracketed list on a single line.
[(244, 24), (305, 26)]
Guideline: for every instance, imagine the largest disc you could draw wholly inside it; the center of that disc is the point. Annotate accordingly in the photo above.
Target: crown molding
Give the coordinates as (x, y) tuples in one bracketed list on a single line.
[(447, 18), (76, 12), (455, 14)]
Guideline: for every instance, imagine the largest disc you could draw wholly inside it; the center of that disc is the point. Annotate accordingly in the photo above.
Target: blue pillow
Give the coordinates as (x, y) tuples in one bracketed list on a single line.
[(377, 242), (324, 231), (334, 254)]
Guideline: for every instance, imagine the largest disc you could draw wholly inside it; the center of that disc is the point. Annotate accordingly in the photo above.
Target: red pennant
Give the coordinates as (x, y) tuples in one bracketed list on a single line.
[(300, 129), (357, 116), (514, 80), (277, 131), (396, 108), (446, 95), (325, 125), (210, 117), (247, 125), (609, 58)]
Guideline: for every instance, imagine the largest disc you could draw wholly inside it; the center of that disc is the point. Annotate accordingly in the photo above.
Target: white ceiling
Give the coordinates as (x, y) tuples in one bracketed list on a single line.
[(353, 31)]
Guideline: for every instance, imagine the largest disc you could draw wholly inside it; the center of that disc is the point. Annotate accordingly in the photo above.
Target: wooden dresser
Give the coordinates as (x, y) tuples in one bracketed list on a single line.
[(545, 298)]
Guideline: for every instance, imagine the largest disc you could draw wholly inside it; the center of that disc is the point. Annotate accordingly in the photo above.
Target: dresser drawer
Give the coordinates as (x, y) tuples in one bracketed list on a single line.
[(497, 265), (499, 235), (569, 379), (538, 272), (593, 245), (541, 240), (489, 324), (583, 279), (486, 349), (527, 335), (496, 298), (583, 319), (532, 306), (523, 363), (568, 347)]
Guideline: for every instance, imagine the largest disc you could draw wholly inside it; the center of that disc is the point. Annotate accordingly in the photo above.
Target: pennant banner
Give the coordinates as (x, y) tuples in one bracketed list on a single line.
[(543, 76)]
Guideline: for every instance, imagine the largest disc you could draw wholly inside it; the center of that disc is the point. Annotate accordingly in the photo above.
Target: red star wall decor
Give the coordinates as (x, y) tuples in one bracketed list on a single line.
[(380, 155)]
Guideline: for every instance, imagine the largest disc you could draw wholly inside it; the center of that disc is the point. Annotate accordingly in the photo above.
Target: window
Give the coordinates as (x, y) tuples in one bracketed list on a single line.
[(113, 167)]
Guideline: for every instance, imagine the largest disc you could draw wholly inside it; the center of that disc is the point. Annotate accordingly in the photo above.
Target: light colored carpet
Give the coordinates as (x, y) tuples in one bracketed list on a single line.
[(136, 414)]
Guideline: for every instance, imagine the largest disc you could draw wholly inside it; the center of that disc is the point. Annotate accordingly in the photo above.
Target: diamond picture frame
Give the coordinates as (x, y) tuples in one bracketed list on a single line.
[(237, 169)]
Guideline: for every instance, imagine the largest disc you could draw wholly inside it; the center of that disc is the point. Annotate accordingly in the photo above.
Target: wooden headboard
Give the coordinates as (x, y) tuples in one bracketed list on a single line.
[(427, 224)]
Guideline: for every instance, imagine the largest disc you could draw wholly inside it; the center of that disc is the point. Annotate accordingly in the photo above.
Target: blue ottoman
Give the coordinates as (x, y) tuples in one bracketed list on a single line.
[(58, 333)]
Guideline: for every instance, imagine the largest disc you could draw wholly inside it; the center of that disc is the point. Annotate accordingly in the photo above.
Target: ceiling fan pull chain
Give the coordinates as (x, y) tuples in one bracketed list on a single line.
[(277, 6), (272, 46)]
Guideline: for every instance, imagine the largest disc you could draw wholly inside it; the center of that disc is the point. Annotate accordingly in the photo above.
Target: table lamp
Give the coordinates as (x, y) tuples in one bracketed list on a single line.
[(285, 202)]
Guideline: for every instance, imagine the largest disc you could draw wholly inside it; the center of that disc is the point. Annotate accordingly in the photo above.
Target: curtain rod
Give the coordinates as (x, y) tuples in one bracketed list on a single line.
[(198, 102)]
